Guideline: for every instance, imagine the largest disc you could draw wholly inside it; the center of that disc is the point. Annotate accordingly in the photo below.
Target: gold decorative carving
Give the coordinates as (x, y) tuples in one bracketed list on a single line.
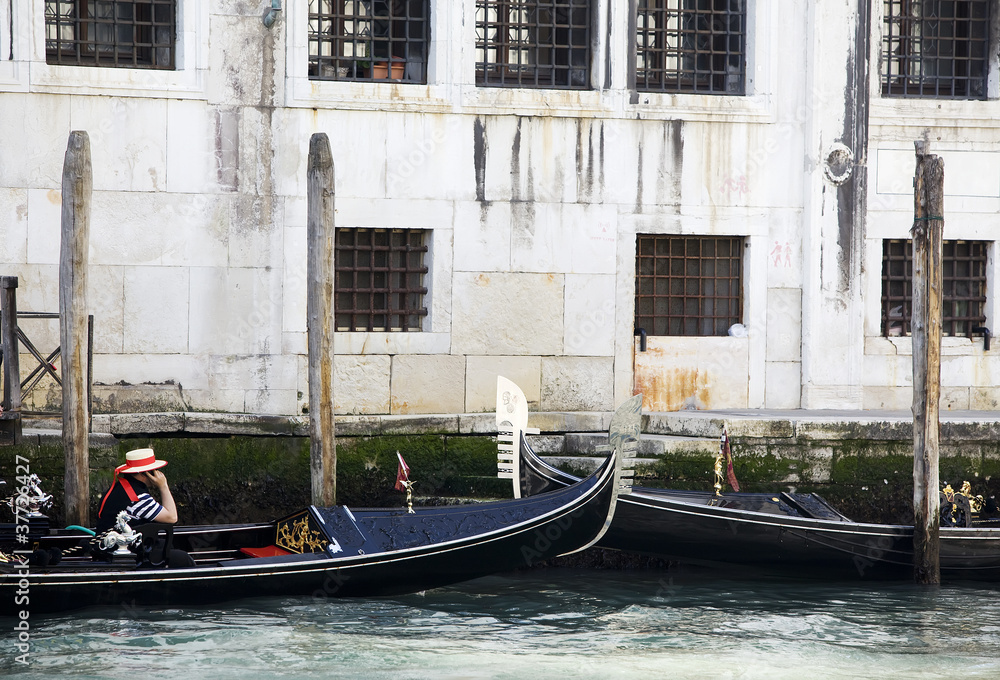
[(297, 536), (976, 502), (718, 473)]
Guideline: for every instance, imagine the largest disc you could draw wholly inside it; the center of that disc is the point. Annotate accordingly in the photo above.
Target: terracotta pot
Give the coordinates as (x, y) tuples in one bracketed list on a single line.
[(380, 70)]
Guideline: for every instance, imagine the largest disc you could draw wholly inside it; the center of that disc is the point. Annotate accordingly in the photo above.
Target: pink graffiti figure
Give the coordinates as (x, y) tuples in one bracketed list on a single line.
[(776, 254)]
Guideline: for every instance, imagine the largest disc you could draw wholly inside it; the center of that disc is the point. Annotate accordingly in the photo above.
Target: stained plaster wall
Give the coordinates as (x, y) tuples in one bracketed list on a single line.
[(534, 198)]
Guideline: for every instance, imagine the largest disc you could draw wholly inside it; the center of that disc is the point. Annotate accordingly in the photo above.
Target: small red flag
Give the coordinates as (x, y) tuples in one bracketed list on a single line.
[(402, 473), (728, 455)]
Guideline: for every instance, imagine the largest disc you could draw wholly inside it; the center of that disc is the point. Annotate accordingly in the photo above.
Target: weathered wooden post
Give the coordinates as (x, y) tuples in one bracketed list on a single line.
[(11, 361), (77, 186), (928, 225), (320, 320)]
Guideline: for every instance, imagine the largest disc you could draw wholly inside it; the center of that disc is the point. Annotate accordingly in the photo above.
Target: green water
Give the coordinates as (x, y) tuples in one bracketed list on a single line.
[(544, 624)]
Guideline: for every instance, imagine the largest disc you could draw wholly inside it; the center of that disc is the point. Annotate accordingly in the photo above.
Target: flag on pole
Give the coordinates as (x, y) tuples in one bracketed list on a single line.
[(402, 473), (728, 455)]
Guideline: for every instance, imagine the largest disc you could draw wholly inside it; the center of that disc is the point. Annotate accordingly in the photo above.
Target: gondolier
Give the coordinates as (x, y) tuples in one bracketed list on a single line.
[(130, 492)]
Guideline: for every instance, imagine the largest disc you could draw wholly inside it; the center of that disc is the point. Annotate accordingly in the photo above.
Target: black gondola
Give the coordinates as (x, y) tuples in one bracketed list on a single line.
[(797, 534), (323, 552)]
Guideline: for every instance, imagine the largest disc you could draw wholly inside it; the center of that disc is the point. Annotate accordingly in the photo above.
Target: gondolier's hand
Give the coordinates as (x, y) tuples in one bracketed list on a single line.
[(156, 478), (169, 513)]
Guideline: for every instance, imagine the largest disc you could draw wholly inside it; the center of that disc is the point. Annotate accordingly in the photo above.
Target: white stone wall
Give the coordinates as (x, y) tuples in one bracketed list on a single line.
[(197, 280)]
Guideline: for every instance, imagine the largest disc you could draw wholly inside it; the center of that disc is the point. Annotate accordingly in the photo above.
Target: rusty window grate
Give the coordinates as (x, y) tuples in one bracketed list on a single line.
[(533, 43), (688, 285), (380, 279), (369, 40), (691, 46), (964, 277), (137, 34), (936, 48)]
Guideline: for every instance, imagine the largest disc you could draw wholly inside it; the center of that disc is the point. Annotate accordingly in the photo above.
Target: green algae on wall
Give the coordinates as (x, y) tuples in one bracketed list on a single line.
[(246, 479)]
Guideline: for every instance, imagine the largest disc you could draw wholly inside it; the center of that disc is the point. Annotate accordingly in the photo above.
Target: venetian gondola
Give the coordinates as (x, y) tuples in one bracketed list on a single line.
[(788, 534), (320, 552)]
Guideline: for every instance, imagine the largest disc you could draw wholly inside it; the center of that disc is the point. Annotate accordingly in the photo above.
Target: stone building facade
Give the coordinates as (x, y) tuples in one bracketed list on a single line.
[(544, 156)]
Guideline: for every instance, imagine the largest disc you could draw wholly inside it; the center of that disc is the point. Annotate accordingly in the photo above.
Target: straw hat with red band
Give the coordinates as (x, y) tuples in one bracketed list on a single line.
[(140, 460)]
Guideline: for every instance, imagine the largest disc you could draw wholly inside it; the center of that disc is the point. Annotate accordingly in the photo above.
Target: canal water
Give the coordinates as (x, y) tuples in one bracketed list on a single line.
[(552, 623)]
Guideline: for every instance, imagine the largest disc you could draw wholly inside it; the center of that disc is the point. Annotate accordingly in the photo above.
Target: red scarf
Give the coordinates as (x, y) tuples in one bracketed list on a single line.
[(129, 491)]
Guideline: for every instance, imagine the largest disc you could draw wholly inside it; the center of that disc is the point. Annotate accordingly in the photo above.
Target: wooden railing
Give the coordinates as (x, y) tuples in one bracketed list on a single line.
[(15, 389)]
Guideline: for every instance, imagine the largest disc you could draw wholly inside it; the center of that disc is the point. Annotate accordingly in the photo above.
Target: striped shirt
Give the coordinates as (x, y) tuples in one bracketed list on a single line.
[(145, 509)]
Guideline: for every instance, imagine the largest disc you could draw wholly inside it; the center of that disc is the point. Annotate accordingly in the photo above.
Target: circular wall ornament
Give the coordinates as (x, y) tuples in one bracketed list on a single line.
[(839, 164)]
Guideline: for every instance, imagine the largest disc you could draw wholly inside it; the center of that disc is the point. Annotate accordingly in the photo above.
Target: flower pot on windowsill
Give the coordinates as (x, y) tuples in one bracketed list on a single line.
[(381, 70)]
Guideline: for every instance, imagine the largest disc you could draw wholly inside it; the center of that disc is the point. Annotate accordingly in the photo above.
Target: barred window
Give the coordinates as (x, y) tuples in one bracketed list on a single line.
[(533, 43), (964, 277), (688, 285), (936, 48), (380, 279), (691, 46), (137, 34), (369, 40)]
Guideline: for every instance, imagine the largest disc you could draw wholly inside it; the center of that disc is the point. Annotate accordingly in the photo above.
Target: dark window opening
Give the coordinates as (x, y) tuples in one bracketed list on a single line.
[(688, 285), (533, 43), (369, 40), (964, 277), (936, 48), (137, 34), (688, 46), (380, 279)]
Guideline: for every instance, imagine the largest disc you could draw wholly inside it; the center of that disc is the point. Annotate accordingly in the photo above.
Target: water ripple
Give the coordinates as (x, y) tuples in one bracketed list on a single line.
[(546, 624)]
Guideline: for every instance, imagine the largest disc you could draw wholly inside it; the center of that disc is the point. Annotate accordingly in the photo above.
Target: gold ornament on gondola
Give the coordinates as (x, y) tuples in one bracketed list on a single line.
[(408, 485), (976, 502), (960, 508), (298, 537)]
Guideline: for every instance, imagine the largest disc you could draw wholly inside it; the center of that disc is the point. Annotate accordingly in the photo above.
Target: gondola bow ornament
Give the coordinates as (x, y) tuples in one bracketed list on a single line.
[(403, 482)]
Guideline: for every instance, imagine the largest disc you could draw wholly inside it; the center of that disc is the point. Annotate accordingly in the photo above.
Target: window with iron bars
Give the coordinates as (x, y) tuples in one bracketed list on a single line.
[(380, 279), (137, 34), (369, 40), (533, 43), (688, 285), (936, 48), (964, 277), (691, 46)]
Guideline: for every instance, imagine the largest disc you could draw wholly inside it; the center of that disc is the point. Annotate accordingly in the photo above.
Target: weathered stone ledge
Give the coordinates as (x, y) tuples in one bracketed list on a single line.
[(577, 431), (197, 423), (804, 425)]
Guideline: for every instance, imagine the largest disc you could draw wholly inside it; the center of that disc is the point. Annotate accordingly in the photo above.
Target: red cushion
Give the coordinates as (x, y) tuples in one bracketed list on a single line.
[(267, 551)]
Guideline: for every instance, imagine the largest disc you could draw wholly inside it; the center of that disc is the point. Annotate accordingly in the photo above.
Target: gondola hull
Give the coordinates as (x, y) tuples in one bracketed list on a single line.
[(364, 553), (774, 536), (790, 534)]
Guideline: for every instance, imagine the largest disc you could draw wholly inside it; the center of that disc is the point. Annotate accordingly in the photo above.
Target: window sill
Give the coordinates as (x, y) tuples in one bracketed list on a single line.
[(123, 82), (366, 96), (709, 107), (930, 112)]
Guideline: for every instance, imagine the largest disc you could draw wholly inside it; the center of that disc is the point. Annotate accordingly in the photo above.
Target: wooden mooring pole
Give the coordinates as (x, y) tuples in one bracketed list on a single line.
[(11, 404), (928, 227), (77, 187), (320, 319)]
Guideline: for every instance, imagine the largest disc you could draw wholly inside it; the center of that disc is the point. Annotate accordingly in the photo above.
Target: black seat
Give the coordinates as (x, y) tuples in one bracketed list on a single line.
[(158, 552)]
